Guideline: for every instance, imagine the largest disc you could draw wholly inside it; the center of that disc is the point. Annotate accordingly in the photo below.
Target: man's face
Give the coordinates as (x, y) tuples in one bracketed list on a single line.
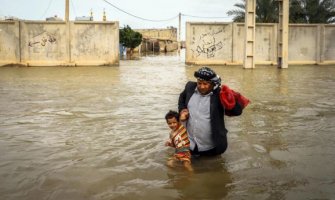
[(204, 87)]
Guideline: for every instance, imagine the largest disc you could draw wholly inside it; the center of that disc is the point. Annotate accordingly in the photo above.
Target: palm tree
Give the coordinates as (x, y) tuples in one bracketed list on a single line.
[(266, 11), (312, 11), (297, 13), (239, 13), (301, 11)]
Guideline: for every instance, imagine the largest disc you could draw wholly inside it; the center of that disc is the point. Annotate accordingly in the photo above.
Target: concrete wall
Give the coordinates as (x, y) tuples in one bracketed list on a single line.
[(223, 43), (44, 43), (94, 43), (327, 44), (303, 44), (41, 43), (265, 44), (209, 43), (9, 42)]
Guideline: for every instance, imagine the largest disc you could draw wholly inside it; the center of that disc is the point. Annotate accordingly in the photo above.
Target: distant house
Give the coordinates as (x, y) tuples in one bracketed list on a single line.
[(158, 40), (11, 18)]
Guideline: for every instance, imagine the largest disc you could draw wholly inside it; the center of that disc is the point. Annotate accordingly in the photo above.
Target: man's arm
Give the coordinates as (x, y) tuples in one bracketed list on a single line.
[(182, 101), (235, 111)]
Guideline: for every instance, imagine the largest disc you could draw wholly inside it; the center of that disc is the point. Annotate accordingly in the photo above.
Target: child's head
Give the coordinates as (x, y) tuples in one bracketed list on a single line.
[(172, 119)]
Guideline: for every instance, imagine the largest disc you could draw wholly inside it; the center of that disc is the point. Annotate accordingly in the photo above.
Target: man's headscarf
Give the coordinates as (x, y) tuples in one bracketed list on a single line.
[(207, 74)]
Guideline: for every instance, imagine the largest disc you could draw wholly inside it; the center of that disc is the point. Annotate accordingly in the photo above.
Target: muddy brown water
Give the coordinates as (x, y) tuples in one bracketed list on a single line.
[(99, 132)]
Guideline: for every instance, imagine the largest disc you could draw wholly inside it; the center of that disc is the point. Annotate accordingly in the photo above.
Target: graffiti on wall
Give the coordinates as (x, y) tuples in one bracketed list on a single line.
[(208, 43), (42, 39)]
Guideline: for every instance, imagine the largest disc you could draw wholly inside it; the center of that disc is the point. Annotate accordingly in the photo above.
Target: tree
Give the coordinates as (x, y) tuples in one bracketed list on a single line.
[(312, 11), (297, 13), (301, 11), (239, 13), (129, 38), (266, 11)]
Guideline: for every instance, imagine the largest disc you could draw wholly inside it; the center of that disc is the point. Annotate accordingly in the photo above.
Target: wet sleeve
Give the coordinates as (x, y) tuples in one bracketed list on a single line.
[(182, 100), (235, 111)]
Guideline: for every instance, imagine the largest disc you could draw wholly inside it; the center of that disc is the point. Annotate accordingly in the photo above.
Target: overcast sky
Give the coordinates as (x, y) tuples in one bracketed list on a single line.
[(164, 12)]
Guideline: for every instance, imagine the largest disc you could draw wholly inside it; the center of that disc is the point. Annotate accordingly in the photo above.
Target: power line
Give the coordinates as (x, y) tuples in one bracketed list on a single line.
[(202, 16), (74, 8), (138, 16), (45, 12), (185, 15)]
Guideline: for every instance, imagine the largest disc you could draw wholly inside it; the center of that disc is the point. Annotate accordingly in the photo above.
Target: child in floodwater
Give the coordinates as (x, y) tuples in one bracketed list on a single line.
[(179, 140)]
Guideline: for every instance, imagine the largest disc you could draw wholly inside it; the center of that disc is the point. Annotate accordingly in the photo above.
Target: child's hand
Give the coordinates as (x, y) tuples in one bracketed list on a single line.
[(183, 115)]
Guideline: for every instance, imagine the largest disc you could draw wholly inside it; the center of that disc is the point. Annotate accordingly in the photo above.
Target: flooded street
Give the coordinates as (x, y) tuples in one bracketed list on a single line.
[(99, 133)]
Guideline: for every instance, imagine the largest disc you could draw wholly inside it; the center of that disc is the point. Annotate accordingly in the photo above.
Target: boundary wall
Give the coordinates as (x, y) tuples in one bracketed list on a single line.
[(223, 43), (53, 43)]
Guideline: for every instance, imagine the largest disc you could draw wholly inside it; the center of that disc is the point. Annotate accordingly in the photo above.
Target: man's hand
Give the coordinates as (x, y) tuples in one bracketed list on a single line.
[(183, 115)]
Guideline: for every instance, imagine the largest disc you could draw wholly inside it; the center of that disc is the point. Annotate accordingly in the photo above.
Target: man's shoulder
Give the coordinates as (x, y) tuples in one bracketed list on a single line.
[(191, 85)]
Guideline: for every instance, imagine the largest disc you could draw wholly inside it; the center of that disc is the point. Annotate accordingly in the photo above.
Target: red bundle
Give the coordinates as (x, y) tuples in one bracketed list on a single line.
[(229, 97)]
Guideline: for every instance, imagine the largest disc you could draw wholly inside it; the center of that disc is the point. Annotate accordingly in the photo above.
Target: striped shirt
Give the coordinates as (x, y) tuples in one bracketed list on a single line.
[(179, 139)]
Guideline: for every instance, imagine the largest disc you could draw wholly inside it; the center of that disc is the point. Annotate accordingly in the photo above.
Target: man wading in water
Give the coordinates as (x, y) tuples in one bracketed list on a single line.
[(201, 106)]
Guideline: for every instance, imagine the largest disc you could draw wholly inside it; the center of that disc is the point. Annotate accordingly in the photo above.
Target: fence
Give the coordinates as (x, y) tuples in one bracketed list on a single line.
[(53, 43), (223, 43)]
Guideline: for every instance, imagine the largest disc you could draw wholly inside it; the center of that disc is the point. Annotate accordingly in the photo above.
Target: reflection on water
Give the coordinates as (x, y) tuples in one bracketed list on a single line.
[(211, 181), (99, 132)]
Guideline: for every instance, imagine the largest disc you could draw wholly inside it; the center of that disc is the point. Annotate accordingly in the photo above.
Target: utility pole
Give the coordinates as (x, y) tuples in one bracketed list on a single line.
[(67, 10), (67, 21), (283, 33), (250, 31), (179, 42), (104, 18)]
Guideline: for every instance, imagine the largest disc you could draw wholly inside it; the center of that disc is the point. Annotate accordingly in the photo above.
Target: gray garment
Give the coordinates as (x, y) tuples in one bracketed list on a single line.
[(198, 124)]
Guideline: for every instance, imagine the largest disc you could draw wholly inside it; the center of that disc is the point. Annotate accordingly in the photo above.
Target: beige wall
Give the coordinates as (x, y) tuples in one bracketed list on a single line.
[(223, 43), (41, 43), (94, 43), (303, 44), (209, 43), (328, 43), (44, 43), (265, 45), (9, 42)]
